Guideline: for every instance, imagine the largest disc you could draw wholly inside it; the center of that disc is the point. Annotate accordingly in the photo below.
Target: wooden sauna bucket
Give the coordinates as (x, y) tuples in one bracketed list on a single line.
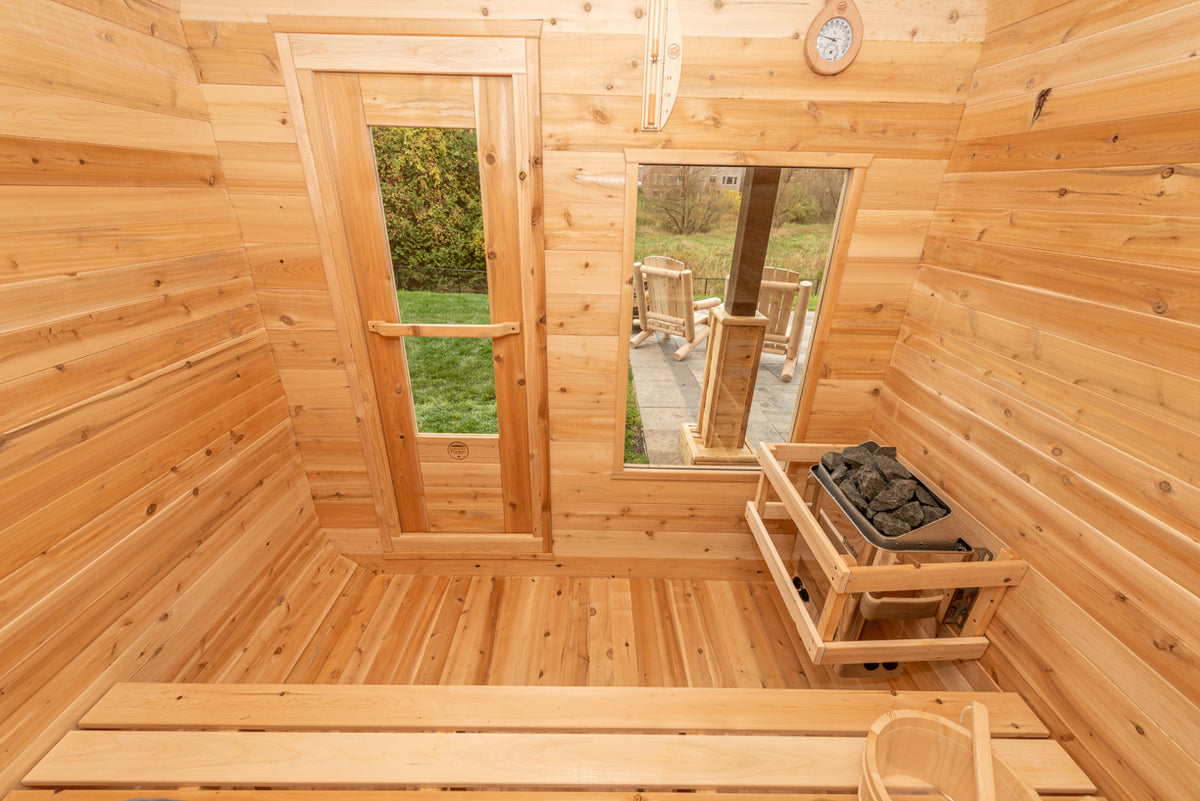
[(915, 752)]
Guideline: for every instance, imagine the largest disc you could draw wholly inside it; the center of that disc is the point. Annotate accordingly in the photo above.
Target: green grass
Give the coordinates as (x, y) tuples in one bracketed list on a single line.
[(635, 442), (803, 248), (453, 384), (453, 379)]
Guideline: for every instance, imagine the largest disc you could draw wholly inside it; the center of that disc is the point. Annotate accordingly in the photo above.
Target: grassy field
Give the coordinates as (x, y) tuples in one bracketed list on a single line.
[(803, 248), (635, 441), (453, 380)]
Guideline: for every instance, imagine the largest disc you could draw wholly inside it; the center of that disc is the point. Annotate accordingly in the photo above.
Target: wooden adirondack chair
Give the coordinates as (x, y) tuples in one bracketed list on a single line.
[(662, 287), (783, 300)]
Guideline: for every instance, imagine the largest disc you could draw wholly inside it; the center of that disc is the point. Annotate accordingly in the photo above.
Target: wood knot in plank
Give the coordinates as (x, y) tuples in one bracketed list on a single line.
[(1040, 104)]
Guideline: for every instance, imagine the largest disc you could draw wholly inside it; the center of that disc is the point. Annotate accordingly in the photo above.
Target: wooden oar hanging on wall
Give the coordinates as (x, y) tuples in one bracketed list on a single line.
[(663, 61)]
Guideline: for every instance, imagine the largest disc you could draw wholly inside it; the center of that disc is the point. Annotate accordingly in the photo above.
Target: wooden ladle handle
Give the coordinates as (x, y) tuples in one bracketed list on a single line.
[(981, 741)]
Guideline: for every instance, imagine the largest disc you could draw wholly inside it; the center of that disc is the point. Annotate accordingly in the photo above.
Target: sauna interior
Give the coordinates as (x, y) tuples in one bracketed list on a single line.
[(198, 482)]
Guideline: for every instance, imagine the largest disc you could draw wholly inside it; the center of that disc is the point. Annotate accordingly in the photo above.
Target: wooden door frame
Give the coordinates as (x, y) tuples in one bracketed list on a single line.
[(308, 46)]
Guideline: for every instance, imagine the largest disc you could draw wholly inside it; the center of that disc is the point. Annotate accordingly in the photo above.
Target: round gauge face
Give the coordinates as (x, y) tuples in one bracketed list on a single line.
[(834, 39)]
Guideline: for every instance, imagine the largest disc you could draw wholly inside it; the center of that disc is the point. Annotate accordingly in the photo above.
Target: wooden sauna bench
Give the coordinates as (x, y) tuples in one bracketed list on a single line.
[(167, 736)]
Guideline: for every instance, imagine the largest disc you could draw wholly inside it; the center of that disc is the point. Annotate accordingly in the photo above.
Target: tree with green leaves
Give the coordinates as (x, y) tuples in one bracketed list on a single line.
[(429, 182)]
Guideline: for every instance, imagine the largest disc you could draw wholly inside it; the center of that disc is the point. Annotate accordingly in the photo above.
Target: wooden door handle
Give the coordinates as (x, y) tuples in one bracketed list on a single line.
[(493, 330)]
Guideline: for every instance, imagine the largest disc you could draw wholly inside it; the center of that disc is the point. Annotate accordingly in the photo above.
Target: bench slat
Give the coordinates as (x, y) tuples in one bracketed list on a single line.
[(450, 795), (547, 709), (489, 760)]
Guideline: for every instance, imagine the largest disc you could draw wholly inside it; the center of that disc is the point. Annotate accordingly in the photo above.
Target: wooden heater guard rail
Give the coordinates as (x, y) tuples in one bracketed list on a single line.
[(573, 739), (846, 579)]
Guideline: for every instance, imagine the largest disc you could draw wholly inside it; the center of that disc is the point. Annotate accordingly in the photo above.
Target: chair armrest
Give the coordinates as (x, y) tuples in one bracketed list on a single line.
[(707, 303)]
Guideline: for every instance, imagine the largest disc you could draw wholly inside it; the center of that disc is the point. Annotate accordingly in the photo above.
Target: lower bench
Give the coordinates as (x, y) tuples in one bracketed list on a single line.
[(499, 738), (440, 795)]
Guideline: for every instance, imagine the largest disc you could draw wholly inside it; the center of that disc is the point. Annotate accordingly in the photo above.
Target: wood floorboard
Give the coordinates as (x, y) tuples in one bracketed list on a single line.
[(575, 658), (396, 633), (424, 630), (340, 623)]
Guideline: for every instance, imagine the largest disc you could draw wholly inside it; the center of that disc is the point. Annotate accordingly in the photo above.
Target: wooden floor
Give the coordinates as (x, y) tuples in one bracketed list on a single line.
[(342, 623)]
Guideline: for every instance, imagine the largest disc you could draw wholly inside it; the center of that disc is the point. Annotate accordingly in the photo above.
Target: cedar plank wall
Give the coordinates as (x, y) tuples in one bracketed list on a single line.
[(1047, 375), (148, 467), (745, 86)]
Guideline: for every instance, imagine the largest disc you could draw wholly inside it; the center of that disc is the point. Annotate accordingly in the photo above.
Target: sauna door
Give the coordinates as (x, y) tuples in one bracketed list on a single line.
[(451, 492)]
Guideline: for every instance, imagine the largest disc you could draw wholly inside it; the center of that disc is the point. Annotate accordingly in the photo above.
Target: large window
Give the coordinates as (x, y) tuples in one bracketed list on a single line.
[(689, 217)]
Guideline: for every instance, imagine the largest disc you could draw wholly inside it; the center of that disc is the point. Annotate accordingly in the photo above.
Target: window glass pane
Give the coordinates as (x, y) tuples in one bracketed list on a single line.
[(689, 215), (429, 188)]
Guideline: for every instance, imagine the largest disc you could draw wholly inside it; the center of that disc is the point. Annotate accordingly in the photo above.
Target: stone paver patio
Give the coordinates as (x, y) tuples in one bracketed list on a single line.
[(668, 394)]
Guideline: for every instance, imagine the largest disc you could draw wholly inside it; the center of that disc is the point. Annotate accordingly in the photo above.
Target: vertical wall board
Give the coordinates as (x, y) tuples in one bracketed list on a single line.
[(148, 461), (1046, 376)]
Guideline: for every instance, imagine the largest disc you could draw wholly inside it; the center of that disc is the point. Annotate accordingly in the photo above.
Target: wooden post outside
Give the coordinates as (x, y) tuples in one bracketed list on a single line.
[(730, 370), (689, 317), (799, 320), (737, 334), (759, 191)]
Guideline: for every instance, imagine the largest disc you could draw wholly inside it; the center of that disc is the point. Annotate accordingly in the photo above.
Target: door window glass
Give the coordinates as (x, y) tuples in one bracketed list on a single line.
[(429, 189)]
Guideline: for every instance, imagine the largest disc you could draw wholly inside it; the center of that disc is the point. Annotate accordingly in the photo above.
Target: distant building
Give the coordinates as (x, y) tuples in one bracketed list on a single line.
[(653, 178)]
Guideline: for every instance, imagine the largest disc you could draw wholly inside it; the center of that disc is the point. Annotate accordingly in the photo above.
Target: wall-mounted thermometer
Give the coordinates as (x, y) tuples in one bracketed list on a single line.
[(664, 57)]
